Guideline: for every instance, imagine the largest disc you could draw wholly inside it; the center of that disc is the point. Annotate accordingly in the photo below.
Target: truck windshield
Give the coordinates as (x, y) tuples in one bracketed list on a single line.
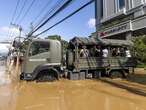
[(39, 47)]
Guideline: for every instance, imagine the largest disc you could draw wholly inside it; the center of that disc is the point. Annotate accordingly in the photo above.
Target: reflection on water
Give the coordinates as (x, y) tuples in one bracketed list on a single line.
[(65, 95), (4, 77)]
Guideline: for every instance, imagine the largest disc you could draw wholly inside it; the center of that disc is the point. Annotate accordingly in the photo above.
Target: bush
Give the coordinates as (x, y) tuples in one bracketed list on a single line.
[(140, 49)]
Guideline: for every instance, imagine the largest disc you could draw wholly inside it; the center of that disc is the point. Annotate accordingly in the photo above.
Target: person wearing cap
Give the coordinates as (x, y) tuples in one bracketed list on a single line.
[(84, 52)]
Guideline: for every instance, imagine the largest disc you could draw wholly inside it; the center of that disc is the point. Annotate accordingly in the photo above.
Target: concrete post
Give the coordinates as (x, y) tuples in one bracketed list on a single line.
[(128, 35), (97, 15)]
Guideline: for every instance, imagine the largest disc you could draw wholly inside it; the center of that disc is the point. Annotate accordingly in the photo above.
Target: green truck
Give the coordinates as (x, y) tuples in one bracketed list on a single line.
[(45, 60)]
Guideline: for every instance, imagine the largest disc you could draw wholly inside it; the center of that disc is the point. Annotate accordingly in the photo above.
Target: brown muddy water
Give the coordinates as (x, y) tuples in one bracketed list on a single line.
[(65, 95)]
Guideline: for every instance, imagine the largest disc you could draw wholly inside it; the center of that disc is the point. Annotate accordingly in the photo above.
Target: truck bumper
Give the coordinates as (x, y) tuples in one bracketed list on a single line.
[(26, 76)]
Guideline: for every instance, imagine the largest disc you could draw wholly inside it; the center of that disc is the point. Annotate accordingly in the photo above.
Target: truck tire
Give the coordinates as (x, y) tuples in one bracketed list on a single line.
[(116, 74), (47, 75)]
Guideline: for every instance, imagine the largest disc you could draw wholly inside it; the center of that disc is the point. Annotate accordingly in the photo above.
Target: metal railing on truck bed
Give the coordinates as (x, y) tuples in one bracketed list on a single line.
[(100, 62)]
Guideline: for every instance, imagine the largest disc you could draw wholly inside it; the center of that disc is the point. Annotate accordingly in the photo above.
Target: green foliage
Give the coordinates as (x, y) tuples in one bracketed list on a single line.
[(140, 48), (54, 37)]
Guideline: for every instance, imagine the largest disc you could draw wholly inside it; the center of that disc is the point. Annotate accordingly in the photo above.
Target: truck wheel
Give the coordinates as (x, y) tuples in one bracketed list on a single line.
[(116, 74), (47, 75)]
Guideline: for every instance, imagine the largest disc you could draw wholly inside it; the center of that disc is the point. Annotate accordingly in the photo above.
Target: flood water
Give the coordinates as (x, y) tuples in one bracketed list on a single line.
[(65, 95)]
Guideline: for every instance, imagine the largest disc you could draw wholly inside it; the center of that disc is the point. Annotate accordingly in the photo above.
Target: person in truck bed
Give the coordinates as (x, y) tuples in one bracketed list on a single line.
[(84, 52)]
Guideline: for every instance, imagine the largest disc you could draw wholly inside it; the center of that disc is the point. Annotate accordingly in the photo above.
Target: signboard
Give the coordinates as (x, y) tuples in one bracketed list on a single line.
[(117, 29)]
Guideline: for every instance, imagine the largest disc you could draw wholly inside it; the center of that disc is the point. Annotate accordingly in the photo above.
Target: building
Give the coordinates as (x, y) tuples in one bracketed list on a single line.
[(120, 19)]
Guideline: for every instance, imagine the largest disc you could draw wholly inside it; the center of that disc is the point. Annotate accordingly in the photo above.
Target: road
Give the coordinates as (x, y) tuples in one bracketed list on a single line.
[(67, 95)]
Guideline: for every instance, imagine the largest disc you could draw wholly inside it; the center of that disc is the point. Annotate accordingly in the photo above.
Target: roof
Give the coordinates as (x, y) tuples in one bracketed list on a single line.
[(84, 41), (45, 40), (99, 41)]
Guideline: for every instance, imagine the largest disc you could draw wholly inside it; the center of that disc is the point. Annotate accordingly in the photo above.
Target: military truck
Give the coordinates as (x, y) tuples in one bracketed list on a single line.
[(44, 60), (94, 66)]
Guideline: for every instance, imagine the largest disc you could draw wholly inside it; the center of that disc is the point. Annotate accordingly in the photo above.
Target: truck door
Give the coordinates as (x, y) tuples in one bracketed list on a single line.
[(38, 54)]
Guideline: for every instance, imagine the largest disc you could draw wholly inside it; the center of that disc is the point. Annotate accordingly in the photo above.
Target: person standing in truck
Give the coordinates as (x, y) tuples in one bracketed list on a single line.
[(114, 52), (127, 53), (84, 52), (105, 52), (98, 51)]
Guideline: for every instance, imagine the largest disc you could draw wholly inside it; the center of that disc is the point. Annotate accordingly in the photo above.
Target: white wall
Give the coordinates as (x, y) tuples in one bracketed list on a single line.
[(137, 3)]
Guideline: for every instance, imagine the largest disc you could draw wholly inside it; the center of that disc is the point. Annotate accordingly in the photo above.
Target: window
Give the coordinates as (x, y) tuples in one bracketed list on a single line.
[(101, 1), (112, 7), (121, 4), (39, 47)]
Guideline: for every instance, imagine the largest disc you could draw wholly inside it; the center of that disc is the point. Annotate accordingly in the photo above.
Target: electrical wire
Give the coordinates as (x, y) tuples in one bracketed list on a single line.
[(70, 15), (58, 11), (20, 12), (54, 8), (15, 11), (13, 16), (27, 11), (40, 12)]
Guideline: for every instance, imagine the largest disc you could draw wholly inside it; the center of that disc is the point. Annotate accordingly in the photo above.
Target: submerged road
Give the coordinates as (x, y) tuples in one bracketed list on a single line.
[(66, 95)]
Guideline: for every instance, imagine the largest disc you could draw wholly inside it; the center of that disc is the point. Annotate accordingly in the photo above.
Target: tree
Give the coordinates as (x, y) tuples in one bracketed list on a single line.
[(54, 37), (140, 48)]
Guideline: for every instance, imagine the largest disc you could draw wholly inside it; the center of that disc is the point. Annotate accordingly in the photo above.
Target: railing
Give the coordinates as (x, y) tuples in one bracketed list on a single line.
[(100, 62)]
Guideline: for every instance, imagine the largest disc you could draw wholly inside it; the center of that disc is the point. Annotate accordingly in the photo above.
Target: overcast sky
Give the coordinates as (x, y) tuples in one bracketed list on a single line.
[(81, 24)]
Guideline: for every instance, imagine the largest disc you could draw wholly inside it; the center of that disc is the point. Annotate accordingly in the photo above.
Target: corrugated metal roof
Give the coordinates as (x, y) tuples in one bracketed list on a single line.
[(85, 41), (99, 41)]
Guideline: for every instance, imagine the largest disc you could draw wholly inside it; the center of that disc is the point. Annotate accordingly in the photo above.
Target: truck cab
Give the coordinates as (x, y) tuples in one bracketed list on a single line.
[(42, 59)]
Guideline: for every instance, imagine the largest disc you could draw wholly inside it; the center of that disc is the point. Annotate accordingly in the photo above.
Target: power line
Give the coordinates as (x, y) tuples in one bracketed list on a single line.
[(24, 3), (27, 11), (58, 11), (19, 14), (15, 10), (58, 4), (44, 8), (70, 15)]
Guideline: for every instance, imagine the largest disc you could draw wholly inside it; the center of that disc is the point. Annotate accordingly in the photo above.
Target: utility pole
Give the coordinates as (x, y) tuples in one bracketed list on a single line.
[(18, 49), (31, 29), (19, 28), (31, 26)]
